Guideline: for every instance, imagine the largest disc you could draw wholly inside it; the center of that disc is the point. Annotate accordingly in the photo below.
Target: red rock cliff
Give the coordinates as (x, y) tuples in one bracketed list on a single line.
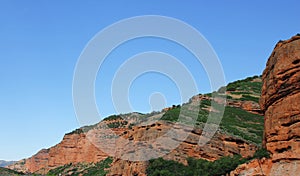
[(74, 148), (220, 145), (280, 100)]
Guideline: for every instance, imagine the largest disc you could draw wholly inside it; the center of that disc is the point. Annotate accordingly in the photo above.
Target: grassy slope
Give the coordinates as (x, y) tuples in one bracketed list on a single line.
[(8, 172), (235, 121), (222, 166)]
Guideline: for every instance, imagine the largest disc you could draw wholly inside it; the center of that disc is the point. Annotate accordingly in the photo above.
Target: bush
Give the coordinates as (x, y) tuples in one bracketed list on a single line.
[(113, 117), (117, 124), (246, 85), (161, 167), (261, 153), (77, 131), (172, 115), (222, 166)]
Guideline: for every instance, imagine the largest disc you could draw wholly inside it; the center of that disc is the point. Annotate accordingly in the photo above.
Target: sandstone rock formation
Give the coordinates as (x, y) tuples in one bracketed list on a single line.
[(220, 145), (280, 101), (97, 143), (74, 148)]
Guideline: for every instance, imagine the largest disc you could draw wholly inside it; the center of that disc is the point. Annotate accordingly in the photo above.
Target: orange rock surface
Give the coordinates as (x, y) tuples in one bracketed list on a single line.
[(280, 101), (220, 145), (74, 148)]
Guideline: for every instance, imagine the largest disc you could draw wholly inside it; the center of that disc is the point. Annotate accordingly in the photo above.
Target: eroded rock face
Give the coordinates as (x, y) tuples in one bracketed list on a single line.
[(123, 167), (280, 100), (135, 135), (220, 145), (266, 167), (74, 148)]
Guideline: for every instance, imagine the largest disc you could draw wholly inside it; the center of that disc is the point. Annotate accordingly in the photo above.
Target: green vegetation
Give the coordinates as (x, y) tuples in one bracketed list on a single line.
[(243, 124), (8, 172), (201, 167), (222, 166), (77, 131), (261, 153), (117, 124), (113, 117), (235, 121), (249, 98), (161, 167), (171, 115), (83, 129), (246, 85), (98, 169)]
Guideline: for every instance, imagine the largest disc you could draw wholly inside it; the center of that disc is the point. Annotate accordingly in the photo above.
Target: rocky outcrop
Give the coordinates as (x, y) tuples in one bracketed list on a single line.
[(249, 106), (220, 145), (123, 167), (280, 102), (135, 136), (266, 167), (74, 148)]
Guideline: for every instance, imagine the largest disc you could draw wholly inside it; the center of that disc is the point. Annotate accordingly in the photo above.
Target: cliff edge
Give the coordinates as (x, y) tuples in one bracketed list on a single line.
[(280, 102)]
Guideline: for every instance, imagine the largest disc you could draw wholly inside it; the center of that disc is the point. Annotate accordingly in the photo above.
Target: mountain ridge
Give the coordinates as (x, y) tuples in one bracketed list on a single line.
[(4, 163), (75, 147)]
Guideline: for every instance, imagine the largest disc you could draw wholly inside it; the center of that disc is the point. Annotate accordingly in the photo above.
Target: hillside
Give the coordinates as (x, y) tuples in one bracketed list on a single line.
[(8, 172), (240, 133), (5, 163)]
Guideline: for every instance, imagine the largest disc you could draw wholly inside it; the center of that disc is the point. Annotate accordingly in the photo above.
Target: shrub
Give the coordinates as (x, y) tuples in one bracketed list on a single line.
[(222, 166), (159, 167), (261, 153), (77, 131), (117, 124), (113, 117), (171, 115)]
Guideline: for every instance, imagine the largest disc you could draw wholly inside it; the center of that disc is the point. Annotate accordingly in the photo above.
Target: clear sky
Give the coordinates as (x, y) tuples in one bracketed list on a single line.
[(40, 42)]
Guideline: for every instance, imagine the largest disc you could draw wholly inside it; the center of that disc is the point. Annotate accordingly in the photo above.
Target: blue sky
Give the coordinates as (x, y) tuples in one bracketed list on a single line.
[(40, 42)]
